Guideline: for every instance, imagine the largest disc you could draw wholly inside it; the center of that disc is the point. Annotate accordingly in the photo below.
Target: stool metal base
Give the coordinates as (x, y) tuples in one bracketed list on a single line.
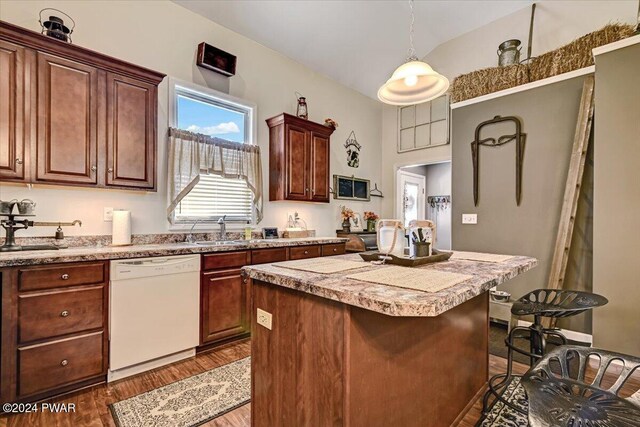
[(537, 335)]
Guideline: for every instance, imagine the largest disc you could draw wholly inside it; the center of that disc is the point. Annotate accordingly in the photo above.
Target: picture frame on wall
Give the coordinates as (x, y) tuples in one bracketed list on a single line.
[(351, 188), (356, 222)]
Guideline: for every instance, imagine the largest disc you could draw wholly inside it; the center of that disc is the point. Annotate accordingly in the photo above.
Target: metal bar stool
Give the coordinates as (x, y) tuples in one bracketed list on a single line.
[(539, 303), (560, 395)]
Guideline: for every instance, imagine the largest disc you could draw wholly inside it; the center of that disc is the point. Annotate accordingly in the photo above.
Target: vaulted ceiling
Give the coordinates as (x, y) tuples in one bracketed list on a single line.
[(357, 43)]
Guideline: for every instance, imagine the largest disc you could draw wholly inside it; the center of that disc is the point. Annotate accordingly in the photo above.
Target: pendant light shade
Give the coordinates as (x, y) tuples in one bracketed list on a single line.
[(412, 83)]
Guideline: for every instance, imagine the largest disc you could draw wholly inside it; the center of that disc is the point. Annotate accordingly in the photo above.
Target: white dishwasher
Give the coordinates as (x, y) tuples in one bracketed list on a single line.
[(154, 312)]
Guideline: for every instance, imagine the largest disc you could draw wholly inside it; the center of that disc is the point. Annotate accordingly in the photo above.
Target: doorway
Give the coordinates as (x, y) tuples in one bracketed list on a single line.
[(411, 196), (424, 192)]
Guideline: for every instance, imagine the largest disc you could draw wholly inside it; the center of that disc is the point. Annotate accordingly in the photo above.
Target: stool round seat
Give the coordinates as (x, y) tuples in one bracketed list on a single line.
[(556, 303), (566, 399)]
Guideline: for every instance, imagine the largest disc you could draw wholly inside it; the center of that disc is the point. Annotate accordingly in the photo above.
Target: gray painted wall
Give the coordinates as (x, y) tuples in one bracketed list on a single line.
[(616, 268), (549, 115)]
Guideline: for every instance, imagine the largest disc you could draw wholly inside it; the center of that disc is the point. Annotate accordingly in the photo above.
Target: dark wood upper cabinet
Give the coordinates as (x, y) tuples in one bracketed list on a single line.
[(131, 132), (297, 157), (299, 153), (67, 129), (72, 116), (12, 109), (320, 152)]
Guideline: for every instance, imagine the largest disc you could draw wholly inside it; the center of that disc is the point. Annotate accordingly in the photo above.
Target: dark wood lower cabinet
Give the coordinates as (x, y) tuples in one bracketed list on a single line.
[(53, 329), (225, 306), (225, 296)]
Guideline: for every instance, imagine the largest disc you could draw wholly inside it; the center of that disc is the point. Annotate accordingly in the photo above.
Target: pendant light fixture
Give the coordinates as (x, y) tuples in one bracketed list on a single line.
[(414, 81)]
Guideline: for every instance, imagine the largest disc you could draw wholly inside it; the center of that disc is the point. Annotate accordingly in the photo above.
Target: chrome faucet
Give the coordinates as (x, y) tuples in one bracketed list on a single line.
[(223, 227), (190, 237)]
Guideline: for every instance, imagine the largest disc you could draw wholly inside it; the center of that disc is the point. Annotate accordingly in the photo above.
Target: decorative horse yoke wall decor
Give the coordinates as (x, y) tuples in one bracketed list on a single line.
[(518, 137)]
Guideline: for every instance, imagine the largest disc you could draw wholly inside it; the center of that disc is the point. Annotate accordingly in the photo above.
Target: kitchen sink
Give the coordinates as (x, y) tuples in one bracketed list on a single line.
[(219, 242)]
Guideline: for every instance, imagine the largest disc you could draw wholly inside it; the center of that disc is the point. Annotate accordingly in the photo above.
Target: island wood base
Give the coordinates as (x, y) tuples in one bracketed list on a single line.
[(325, 363)]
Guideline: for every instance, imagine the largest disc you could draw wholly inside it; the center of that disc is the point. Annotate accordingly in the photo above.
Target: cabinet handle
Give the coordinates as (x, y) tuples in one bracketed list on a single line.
[(65, 313), (65, 276), (94, 168), (64, 362), (18, 161), (110, 170)]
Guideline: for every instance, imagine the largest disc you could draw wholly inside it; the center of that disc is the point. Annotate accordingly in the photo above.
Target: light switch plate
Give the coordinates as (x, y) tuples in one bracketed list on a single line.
[(108, 214), (469, 218), (264, 318)]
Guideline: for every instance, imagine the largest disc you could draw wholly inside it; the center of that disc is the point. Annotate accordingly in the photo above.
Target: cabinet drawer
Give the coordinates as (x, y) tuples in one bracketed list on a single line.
[(35, 278), (46, 366), (304, 252), (262, 256), (49, 315), (333, 249), (224, 260)]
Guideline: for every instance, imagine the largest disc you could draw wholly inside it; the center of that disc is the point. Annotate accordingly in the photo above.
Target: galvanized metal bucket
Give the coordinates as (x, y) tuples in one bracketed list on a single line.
[(509, 53)]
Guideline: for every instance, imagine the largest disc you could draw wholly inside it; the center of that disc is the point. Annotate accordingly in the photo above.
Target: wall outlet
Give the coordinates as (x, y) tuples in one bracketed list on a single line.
[(469, 218), (107, 215), (264, 318)]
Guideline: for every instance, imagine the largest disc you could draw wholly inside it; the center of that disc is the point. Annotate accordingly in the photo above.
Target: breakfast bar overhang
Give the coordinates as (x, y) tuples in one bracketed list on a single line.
[(346, 352)]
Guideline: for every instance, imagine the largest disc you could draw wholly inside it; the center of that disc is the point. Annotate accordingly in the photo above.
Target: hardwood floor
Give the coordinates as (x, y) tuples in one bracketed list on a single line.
[(92, 403)]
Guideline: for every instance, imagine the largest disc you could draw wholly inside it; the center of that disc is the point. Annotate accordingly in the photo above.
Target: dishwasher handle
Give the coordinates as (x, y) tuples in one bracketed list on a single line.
[(153, 262)]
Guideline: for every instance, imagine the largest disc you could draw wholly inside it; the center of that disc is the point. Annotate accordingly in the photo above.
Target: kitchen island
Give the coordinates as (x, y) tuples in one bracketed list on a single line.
[(338, 350)]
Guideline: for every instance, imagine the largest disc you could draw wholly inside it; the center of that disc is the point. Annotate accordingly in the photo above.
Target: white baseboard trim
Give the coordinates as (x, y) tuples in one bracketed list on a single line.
[(151, 364), (572, 335)]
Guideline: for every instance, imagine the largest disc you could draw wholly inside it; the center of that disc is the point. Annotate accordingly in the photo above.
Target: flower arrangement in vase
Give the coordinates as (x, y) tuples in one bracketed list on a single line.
[(346, 214), (371, 218)]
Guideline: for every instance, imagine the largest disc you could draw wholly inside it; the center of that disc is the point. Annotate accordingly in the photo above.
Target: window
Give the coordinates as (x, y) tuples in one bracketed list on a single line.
[(423, 125), (203, 110)]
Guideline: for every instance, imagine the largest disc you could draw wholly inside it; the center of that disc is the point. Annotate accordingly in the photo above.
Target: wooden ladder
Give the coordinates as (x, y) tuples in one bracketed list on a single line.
[(572, 191)]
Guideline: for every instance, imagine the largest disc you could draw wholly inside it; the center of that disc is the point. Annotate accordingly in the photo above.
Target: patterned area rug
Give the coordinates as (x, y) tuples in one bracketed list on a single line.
[(502, 415), (189, 402)]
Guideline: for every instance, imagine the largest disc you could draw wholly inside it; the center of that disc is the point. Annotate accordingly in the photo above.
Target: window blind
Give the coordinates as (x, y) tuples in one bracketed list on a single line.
[(215, 196)]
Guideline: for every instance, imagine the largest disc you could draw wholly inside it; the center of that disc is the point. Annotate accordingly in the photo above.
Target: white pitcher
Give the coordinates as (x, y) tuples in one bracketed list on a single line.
[(390, 235)]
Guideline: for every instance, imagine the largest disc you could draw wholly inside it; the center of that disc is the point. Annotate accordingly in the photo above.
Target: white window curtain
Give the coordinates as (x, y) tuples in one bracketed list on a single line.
[(191, 154)]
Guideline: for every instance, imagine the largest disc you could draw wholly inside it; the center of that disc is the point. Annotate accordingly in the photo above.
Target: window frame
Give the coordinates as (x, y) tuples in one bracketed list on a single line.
[(211, 96), (446, 120)]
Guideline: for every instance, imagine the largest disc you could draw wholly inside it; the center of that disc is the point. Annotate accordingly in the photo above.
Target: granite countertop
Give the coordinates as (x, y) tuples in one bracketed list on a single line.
[(93, 253), (391, 300)]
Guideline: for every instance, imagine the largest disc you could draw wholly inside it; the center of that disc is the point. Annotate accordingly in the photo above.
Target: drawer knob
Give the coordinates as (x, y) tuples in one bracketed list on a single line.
[(64, 313), (335, 249), (94, 168), (64, 362), (18, 161), (306, 252), (65, 276)]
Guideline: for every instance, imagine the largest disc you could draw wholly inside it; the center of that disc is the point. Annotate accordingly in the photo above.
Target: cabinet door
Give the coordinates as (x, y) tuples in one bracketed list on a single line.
[(67, 121), (224, 306), (297, 160), (319, 168), (131, 133), (12, 108)]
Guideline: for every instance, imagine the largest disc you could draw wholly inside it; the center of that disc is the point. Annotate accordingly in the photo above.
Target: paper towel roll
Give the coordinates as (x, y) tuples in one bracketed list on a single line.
[(121, 231)]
